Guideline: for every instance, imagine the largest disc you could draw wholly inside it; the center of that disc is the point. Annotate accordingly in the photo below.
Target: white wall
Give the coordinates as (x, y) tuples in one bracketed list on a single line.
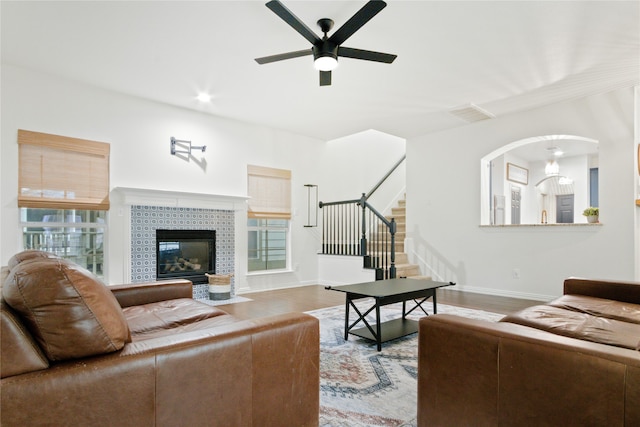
[(343, 270), (443, 185), (356, 163), (139, 132)]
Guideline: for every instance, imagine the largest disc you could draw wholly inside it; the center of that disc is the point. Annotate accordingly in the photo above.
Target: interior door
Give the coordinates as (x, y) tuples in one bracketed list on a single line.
[(564, 209), (498, 213), (515, 204)]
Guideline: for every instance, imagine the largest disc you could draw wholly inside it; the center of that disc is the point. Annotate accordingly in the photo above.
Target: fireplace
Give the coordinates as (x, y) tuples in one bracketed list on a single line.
[(185, 254)]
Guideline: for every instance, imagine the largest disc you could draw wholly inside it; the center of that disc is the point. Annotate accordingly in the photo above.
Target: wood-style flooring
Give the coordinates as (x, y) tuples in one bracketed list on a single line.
[(312, 297)]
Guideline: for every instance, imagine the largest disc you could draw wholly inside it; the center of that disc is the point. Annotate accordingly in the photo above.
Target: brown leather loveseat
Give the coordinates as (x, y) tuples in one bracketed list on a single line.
[(572, 362), (78, 353)]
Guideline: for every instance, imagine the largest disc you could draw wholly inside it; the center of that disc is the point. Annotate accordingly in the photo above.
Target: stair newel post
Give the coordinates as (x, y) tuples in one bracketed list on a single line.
[(392, 230), (324, 229), (363, 240)]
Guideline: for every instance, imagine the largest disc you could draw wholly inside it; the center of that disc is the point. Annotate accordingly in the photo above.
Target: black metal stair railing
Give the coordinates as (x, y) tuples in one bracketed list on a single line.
[(354, 227), (347, 231)]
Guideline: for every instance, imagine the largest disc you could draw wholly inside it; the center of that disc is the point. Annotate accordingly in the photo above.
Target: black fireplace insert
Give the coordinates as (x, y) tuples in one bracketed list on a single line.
[(185, 254)]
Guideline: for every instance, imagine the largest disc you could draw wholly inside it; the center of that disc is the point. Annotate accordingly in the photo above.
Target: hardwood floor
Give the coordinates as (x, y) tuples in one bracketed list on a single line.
[(312, 297)]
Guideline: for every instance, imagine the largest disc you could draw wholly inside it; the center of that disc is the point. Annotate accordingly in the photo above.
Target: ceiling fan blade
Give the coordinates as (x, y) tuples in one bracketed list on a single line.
[(325, 78), (361, 17), (368, 55), (287, 16), (283, 56)]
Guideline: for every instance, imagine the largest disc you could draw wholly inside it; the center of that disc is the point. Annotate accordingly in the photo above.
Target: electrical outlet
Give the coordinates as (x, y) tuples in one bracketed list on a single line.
[(516, 273)]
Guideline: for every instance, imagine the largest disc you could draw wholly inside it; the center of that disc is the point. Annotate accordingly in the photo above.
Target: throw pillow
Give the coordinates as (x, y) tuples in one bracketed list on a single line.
[(28, 255), (69, 312)]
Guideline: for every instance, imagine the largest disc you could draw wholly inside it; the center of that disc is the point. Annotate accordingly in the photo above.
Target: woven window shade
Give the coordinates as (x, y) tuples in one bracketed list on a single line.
[(58, 172), (270, 192)]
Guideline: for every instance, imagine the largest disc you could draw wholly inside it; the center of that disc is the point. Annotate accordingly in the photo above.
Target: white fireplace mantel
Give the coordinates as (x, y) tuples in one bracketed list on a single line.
[(124, 199), (149, 197)]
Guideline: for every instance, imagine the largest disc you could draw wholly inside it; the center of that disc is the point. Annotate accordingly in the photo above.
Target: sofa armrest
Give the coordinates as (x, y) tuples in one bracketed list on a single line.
[(608, 289), (510, 374), (146, 293)]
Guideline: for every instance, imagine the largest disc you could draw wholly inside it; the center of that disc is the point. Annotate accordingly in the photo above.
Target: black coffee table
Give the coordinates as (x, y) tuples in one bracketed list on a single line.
[(386, 292)]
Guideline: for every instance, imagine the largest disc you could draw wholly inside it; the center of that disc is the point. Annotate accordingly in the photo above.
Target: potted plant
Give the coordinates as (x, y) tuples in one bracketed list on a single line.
[(592, 214)]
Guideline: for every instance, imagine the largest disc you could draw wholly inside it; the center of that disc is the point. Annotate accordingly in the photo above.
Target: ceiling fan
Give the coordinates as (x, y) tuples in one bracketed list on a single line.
[(326, 50)]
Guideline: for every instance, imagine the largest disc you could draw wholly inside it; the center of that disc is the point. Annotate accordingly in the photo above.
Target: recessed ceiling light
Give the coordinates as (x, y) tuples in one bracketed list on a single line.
[(204, 97)]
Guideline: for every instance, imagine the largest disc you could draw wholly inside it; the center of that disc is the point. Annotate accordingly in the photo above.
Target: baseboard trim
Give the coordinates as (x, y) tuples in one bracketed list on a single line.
[(503, 293), (247, 289)]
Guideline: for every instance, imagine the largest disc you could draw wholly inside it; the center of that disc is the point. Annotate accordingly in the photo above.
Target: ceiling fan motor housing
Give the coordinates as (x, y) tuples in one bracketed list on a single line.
[(326, 48)]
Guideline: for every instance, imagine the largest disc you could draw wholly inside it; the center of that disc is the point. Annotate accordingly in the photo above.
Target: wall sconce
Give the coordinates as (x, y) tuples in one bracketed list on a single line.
[(185, 146), (312, 205)]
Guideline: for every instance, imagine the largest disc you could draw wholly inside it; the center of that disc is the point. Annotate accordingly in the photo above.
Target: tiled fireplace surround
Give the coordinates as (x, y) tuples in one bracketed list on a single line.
[(151, 210), (146, 219)]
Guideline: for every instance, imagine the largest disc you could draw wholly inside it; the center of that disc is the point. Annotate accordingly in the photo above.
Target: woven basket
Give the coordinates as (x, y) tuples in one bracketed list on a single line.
[(219, 279)]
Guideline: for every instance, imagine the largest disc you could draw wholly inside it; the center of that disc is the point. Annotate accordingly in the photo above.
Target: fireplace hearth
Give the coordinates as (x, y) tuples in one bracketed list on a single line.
[(185, 254)]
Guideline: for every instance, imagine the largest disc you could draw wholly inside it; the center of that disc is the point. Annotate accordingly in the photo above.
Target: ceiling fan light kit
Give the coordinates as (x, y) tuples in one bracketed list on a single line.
[(326, 50), (326, 63)]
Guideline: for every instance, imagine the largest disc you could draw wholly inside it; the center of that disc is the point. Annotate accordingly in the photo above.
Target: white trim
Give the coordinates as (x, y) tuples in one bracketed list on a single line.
[(150, 197), (503, 293), (249, 290), (126, 251)]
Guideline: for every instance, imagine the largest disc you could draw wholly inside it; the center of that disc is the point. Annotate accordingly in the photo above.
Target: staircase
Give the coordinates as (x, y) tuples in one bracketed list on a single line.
[(403, 268), (355, 227)]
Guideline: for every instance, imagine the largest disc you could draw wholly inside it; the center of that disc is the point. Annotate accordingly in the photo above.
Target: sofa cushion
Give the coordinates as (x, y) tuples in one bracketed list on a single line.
[(180, 332), (68, 311), (20, 353), (611, 309), (578, 325), (167, 315)]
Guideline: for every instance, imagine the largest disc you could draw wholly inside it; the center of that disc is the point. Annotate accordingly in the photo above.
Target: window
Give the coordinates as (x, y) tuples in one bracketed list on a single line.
[(268, 218), (268, 244), (76, 235), (63, 196)]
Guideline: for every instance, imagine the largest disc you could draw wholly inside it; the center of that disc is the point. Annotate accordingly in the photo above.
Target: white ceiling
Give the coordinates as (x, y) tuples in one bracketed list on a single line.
[(546, 147), (504, 56)]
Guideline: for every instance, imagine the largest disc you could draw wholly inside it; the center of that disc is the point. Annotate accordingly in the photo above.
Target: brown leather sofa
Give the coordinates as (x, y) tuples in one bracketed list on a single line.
[(572, 362), (78, 353)]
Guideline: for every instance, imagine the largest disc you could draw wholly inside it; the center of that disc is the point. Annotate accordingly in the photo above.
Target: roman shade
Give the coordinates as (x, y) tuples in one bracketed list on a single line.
[(59, 172), (270, 192)]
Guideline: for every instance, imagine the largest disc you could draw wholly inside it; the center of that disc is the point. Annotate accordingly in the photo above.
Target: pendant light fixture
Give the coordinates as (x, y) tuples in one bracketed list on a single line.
[(552, 168)]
